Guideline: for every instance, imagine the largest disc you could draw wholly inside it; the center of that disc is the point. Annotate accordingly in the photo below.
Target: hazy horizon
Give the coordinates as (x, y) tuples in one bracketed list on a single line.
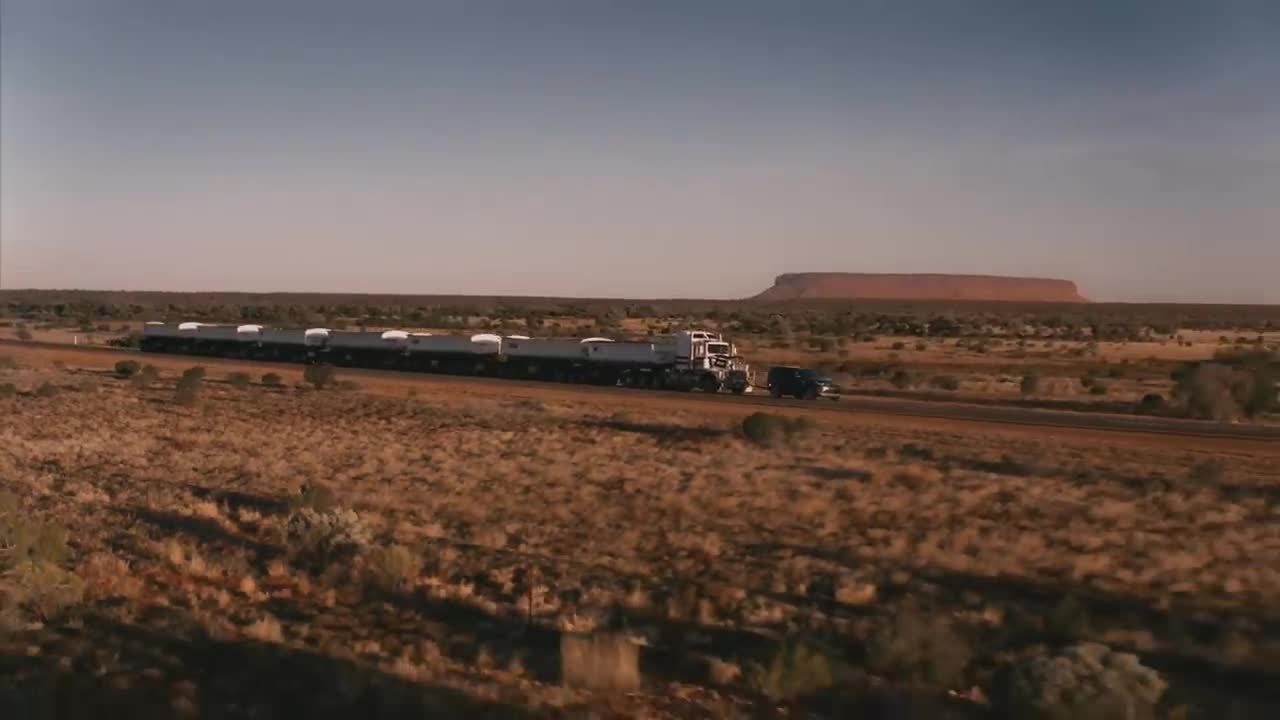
[(661, 149)]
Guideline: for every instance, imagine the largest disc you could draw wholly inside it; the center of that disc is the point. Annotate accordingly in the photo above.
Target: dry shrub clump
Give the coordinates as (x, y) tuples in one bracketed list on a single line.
[(391, 569), (318, 376), (769, 430), (189, 386), (1086, 680), (272, 380), (32, 555), (1226, 392), (239, 380), (600, 661), (127, 368), (8, 390), (798, 668), (920, 648), (323, 537)]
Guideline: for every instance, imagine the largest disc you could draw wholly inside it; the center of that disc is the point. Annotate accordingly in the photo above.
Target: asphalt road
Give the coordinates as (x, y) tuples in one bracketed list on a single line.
[(932, 409)]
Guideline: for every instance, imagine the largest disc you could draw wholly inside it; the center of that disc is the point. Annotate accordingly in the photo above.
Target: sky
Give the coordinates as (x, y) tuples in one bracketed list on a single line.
[(639, 149)]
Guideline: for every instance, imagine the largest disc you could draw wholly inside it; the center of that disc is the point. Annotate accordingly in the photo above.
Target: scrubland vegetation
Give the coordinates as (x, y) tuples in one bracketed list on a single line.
[(1094, 357), (285, 548)]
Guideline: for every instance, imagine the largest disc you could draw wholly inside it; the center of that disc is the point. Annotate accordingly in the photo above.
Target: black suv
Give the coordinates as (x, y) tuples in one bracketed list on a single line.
[(801, 383)]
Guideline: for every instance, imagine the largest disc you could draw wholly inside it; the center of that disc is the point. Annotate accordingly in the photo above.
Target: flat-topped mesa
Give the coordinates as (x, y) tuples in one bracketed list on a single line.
[(905, 286)]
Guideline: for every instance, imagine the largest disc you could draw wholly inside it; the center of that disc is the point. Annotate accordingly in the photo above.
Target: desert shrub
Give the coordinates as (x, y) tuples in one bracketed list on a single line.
[(600, 661), (272, 380), (769, 430), (347, 385), (1086, 680), (315, 496), (318, 376), (390, 569), (127, 368), (919, 648), (196, 373), (146, 376), (1151, 402), (8, 363), (239, 380), (1212, 391), (797, 669), (24, 334), (915, 451), (323, 537), (1068, 621), (946, 382), (898, 346), (31, 556), (902, 379), (826, 344), (188, 390), (1030, 384), (1098, 388), (8, 390), (47, 390), (1206, 473)]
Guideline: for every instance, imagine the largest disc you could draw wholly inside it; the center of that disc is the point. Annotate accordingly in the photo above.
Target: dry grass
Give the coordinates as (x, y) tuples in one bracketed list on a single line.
[(707, 549)]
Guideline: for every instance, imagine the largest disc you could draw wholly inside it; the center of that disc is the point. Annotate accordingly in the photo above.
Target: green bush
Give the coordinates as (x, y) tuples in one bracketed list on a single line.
[(127, 368), (318, 376)]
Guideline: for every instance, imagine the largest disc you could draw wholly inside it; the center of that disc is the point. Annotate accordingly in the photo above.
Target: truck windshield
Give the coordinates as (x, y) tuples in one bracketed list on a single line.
[(717, 348)]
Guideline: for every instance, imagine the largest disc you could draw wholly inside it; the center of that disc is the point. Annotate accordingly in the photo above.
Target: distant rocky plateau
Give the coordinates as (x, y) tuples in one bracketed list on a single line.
[(895, 286)]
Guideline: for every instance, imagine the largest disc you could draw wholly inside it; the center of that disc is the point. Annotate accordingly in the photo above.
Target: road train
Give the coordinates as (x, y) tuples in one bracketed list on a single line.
[(685, 360)]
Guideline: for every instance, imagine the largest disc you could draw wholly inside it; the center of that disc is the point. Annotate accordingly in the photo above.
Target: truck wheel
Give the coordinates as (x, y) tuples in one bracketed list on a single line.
[(739, 390), (776, 392), (811, 394)]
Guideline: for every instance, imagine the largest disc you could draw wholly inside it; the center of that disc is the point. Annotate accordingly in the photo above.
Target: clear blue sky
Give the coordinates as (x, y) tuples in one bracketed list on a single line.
[(642, 149)]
